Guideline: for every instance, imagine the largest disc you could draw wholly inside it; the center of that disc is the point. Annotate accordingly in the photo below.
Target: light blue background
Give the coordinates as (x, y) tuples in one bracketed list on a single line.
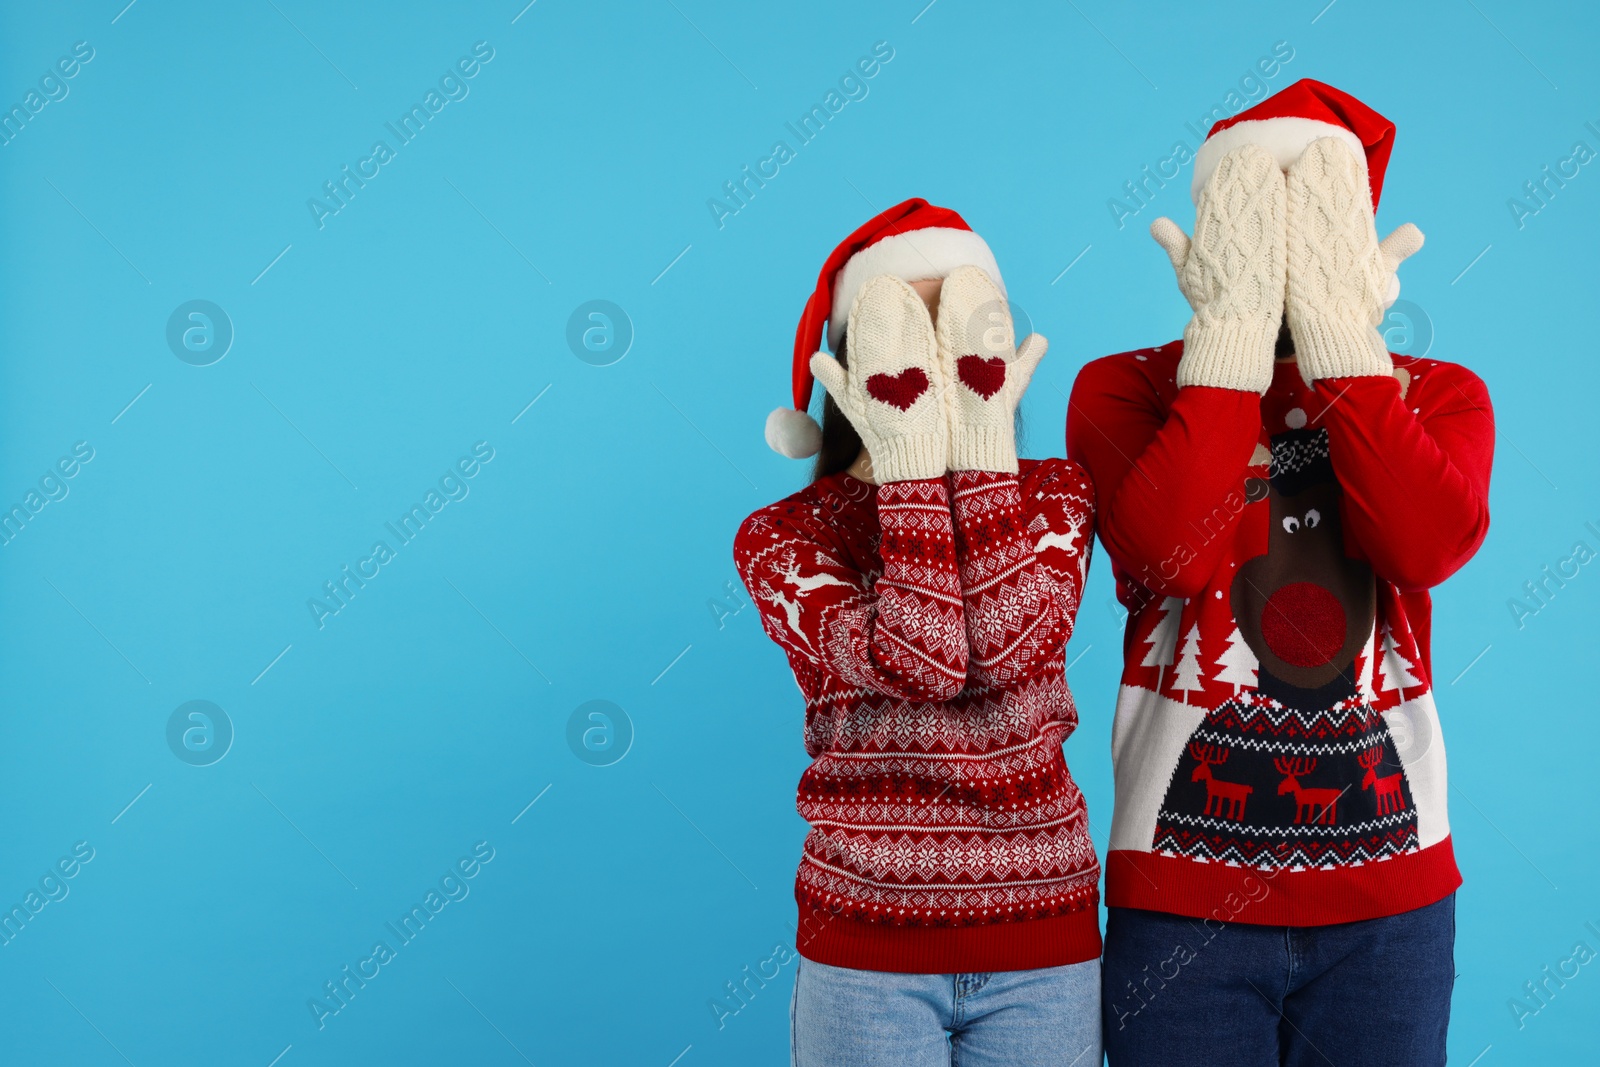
[(427, 314)]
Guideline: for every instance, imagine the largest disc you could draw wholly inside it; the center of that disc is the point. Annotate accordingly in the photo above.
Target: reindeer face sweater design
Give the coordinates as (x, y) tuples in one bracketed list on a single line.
[(925, 622), (1277, 751)]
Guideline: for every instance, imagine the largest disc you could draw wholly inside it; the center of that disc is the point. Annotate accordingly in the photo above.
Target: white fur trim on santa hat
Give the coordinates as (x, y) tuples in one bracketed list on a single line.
[(1285, 137), (793, 433), (933, 252)]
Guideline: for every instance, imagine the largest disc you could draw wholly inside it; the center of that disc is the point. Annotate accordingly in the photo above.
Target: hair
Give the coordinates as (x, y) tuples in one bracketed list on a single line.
[(840, 442)]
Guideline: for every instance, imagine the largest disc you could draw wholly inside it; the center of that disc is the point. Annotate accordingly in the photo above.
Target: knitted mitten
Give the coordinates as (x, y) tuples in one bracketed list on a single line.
[(1339, 274), (985, 373), (1232, 273), (892, 392)]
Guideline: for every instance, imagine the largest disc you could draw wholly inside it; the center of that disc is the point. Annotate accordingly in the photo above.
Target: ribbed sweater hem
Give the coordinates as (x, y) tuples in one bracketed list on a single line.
[(1022, 945), (1228, 893)]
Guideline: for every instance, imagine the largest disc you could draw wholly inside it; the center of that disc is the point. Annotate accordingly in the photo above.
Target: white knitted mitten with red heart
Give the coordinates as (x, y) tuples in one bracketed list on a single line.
[(1339, 273), (986, 374), (892, 392), (1232, 272)]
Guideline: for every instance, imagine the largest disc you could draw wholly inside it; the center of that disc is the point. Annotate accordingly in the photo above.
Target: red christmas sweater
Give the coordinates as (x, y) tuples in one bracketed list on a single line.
[(1277, 752), (925, 622)]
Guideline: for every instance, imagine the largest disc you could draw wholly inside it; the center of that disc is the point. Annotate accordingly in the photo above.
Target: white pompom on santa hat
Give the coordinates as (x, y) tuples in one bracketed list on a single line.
[(1287, 122), (914, 241)]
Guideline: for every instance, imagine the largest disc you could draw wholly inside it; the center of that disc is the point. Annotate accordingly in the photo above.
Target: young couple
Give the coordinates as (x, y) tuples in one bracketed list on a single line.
[(1277, 494)]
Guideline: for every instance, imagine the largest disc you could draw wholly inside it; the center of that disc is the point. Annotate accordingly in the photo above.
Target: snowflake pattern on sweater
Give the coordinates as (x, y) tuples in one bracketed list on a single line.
[(925, 622)]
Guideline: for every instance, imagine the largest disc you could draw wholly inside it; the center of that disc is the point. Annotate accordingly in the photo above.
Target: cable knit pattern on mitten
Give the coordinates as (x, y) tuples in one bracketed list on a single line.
[(893, 392), (1338, 277), (1232, 273), (985, 374)]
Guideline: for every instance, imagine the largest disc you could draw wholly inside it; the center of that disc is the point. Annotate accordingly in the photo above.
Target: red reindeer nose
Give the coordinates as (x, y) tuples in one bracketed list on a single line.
[(1303, 624)]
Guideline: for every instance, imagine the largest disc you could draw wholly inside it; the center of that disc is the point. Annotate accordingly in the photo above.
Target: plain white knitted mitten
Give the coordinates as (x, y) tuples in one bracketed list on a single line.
[(1232, 272), (892, 392), (985, 373), (1339, 274)]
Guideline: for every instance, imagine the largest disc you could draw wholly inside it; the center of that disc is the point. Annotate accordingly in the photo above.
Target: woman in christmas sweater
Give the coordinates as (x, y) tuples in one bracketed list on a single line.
[(924, 587)]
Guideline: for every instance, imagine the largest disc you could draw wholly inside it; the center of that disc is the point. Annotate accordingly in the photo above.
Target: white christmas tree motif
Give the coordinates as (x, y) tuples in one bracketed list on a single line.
[(1187, 676), (1368, 668), (1396, 668), (1238, 663), (1163, 640)]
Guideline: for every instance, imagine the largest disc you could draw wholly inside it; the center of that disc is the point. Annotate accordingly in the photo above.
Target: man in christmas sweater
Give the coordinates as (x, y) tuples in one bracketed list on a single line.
[(1277, 494)]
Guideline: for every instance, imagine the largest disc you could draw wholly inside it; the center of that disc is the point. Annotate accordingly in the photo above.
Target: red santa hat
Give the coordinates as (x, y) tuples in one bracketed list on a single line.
[(1286, 123), (913, 241)]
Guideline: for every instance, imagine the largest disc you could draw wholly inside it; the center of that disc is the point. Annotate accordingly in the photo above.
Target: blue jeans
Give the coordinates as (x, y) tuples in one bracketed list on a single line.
[(1182, 992), (847, 1018)]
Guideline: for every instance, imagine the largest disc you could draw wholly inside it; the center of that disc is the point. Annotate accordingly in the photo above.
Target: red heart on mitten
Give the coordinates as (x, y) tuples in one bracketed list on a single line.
[(898, 390), (983, 376)]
